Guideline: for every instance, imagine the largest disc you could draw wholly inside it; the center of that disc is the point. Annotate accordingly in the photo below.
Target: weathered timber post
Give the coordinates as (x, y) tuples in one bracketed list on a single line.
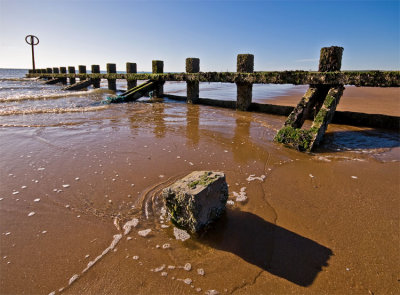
[(96, 81), (330, 59), (82, 71), (158, 68), (131, 69), (112, 83), (71, 70), (192, 87), (63, 70), (56, 71), (319, 102), (245, 64), (49, 71), (43, 71)]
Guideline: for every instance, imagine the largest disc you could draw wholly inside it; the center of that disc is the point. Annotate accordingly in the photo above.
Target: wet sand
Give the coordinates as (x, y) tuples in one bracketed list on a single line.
[(370, 100), (321, 223)]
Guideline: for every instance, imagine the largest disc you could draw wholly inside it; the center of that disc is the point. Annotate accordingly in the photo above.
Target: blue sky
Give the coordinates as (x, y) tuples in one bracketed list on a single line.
[(282, 35)]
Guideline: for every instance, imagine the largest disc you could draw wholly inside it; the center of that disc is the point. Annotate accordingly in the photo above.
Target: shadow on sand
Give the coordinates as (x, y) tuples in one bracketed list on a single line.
[(361, 139), (270, 247)]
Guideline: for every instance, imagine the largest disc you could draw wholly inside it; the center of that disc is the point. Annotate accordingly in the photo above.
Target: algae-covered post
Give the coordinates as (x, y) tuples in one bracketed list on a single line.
[(49, 70), (330, 59), (131, 69), (71, 70), (112, 83), (56, 71), (192, 87), (158, 68), (63, 70), (96, 81), (245, 64), (319, 102), (82, 72)]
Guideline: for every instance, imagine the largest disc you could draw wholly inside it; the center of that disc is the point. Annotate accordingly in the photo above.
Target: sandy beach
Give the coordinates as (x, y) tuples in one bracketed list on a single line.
[(369, 100), (320, 223)]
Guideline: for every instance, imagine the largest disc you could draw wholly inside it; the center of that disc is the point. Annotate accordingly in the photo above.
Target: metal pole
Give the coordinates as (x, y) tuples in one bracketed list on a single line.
[(30, 39), (33, 54)]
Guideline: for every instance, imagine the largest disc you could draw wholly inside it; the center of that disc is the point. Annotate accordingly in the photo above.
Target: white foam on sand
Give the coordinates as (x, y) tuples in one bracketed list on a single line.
[(241, 196), (254, 177), (181, 234), (158, 269), (114, 243), (73, 279), (187, 281), (128, 226), (144, 232)]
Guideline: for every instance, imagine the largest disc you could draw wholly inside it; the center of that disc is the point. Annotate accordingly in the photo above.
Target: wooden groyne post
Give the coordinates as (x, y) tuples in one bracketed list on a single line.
[(157, 67), (112, 83), (131, 69), (319, 102), (192, 87), (71, 70), (82, 72), (63, 70), (96, 81), (245, 64)]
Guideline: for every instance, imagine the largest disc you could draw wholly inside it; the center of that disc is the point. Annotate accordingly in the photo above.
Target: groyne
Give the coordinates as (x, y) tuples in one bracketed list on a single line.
[(318, 104)]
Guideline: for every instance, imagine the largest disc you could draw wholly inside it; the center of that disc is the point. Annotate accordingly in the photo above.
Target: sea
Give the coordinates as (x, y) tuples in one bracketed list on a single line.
[(81, 207)]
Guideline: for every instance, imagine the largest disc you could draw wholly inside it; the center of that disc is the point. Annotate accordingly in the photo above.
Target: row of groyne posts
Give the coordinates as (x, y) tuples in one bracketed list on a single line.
[(318, 103)]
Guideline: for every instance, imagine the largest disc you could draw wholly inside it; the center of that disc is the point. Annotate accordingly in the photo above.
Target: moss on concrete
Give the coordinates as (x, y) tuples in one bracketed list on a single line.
[(204, 180), (296, 138), (197, 200)]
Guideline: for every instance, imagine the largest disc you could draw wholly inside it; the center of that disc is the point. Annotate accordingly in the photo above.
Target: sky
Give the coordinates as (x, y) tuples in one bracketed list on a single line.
[(282, 35)]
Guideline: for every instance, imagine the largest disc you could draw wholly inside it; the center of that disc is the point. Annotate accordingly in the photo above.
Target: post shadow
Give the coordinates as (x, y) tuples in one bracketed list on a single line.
[(360, 139), (272, 248)]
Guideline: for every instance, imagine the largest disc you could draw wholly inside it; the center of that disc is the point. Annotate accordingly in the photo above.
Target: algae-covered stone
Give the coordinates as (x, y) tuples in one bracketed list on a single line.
[(197, 200)]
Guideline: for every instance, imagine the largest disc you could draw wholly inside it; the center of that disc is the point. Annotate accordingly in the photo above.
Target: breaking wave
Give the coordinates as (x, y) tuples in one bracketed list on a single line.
[(53, 111), (44, 96)]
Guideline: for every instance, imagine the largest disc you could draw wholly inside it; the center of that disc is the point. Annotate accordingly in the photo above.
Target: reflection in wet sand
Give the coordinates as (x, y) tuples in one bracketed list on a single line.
[(192, 125)]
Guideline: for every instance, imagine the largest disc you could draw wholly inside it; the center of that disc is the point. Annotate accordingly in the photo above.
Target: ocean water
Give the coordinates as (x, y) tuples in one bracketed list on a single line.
[(19, 95), (81, 211)]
